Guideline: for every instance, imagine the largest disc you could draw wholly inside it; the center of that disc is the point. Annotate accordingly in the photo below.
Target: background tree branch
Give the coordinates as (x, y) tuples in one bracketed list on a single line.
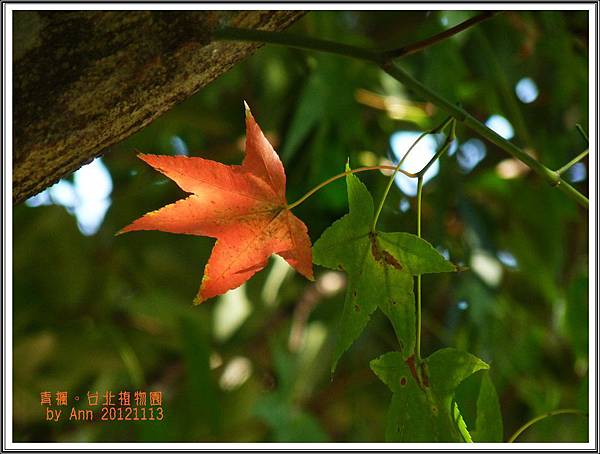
[(84, 80)]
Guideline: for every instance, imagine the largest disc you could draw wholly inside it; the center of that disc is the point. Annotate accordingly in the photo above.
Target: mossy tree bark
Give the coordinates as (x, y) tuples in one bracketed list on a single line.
[(84, 80)]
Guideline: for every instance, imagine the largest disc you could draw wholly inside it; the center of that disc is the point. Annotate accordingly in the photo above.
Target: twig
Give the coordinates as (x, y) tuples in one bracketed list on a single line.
[(573, 161), (528, 424), (420, 45), (303, 42)]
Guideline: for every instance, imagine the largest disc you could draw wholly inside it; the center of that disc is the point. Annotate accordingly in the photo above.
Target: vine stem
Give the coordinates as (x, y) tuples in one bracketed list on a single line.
[(572, 162), (397, 168), (420, 45), (418, 321), (342, 175), (382, 59), (528, 424)]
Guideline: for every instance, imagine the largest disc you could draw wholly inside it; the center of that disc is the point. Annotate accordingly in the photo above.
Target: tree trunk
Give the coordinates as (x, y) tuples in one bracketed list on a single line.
[(84, 80)]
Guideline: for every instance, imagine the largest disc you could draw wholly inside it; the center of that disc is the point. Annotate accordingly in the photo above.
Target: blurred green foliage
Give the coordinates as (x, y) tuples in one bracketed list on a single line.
[(103, 312)]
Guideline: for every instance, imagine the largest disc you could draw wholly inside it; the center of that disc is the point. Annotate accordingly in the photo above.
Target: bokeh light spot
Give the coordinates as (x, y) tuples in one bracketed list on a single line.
[(501, 126), (526, 89)]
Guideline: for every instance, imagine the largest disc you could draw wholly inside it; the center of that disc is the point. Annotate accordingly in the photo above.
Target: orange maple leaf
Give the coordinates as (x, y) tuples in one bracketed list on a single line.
[(243, 206)]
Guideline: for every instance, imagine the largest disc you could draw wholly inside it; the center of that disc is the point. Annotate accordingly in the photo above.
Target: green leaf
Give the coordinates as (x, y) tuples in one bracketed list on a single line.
[(422, 407), (488, 425), (380, 267)]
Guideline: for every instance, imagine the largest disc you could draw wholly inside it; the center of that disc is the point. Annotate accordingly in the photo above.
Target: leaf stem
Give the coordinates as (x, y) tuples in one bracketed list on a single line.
[(573, 161), (442, 150), (420, 45), (528, 424), (418, 321), (342, 175), (412, 175)]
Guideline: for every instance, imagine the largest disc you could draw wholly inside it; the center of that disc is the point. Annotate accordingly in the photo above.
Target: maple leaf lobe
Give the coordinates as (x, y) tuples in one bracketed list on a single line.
[(243, 206)]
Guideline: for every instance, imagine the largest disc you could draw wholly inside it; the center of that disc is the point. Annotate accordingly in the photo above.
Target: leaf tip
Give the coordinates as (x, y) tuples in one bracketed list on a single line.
[(247, 109), (198, 300)]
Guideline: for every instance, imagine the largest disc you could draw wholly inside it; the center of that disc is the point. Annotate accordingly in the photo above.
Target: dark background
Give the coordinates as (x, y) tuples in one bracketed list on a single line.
[(93, 311)]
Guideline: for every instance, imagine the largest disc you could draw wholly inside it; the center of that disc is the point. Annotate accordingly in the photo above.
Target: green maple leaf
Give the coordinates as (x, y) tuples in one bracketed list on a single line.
[(380, 268), (422, 407)]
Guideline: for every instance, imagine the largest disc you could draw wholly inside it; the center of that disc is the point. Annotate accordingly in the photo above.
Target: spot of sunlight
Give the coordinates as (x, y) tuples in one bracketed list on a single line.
[(501, 126), (277, 274), (507, 259), (87, 198), (511, 168), (453, 148), (41, 199), (486, 267), (179, 146), (231, 310), (331, 282), (63, 193), (420, 155), (236, 372), (577, 173), (471, 153), (444, 252), (404, 205), (313, 339), (526, 89), (215, 361), (462, 305)]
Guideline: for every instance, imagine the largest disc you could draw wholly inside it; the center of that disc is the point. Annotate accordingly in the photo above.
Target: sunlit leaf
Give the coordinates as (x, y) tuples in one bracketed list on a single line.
[(244, 207)]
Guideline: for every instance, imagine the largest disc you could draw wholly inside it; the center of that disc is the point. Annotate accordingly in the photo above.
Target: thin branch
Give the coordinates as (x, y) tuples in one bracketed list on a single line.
[(420, 45), (298, 42), (303, 42), (528, 424), (472, 123), (441, 151), (573, 161), (582, 132)]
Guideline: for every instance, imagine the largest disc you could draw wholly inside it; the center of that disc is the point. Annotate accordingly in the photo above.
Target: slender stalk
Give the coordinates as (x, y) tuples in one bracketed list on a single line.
[(583, 134), (472, 123), (418, 321), (441, 151), (298, 42), (572, 162), (303, 42), (397, 168), (420, 45), (528, 424), (342, 175)]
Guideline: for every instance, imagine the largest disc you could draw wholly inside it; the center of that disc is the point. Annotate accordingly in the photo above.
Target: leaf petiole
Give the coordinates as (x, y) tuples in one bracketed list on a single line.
[(397, 169), (418, 321), (342, 175)]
